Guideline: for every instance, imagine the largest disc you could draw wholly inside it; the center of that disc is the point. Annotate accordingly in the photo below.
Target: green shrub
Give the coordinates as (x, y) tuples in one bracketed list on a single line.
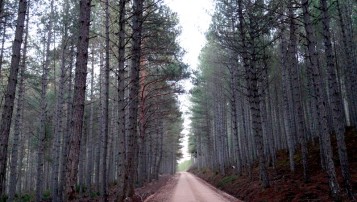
[(26, 198), (94, 194), (3, 198), (226, 180), (46, 195)]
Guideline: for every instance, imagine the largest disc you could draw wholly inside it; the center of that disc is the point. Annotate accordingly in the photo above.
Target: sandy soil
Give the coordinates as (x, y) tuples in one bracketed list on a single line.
[(189, 188)]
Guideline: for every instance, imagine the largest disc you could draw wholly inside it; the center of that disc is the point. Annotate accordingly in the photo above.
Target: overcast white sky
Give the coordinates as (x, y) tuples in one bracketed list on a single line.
[(194, 17)]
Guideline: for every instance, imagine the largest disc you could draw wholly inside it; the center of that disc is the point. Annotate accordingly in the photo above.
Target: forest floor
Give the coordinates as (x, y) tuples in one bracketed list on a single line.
[(140, 193), (287, 186)]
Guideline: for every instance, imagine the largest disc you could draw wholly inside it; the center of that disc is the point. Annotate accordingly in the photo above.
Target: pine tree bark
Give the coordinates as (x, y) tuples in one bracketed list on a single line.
[(78, 99), (68, 130), (286, 90), (101, 128), (344, 9), (15, 167), (297, 97), (3, 34), (234, 115), (336, 99), (254, 96), (137, 21), (90, 149), (59, 117), (121, 102), (42, 137), (106, 105), (317, 82), (7, 112)]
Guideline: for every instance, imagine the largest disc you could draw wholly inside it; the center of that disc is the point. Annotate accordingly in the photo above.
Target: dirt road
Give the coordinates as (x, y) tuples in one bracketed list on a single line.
[(189, 188)]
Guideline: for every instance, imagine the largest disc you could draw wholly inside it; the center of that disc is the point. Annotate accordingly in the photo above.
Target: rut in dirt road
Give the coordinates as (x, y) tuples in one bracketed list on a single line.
[(190, 188)]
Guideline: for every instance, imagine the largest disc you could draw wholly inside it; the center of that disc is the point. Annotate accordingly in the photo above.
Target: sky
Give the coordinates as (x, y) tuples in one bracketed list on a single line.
[(194, 17)]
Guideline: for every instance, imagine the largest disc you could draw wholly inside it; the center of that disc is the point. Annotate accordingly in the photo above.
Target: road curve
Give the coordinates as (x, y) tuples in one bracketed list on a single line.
[(190, 188)]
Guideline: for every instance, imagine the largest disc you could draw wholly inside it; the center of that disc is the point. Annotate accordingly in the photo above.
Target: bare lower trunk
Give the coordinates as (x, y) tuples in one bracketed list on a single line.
[(6, 117), (254, 102), (59, 119), (18, 127), (42, 137), (297, 97), (121, 101), (78, 99), (137, 20), (90, 149), (336, 100), (66, 134), (317, 83)]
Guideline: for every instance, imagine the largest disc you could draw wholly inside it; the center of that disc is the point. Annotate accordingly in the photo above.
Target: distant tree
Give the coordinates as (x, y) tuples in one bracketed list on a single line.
[(59, 125), (42, 135)]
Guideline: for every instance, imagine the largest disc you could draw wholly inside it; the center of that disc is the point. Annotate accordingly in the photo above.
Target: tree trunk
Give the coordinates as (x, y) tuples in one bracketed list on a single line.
[(297, 97), (137, 20), (7, 112), (78, 99), (59, 119), (18, 127), (66, 134), (121, 102), (90, 149), (106, 105), (234, 116), (254, 96), (317, 82), (344, 9), (336, 100), (286, 90), (3, 29), (42, 136)]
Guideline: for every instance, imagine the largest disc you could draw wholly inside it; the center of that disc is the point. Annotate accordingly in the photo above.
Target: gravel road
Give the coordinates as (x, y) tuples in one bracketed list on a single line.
[(188, 188)]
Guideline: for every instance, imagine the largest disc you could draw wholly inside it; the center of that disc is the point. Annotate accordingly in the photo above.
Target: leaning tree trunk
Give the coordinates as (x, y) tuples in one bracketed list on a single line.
[(344, 9), (317, 83), (14, 165), (6, 117), (78, 99), (336, 100)]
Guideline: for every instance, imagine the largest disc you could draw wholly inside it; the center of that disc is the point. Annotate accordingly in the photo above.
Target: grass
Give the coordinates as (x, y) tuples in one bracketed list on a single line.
[(226, 180)]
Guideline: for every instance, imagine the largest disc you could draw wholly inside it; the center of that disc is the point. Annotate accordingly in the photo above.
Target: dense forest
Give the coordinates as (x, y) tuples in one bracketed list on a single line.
[(88, 96), (276, 75)]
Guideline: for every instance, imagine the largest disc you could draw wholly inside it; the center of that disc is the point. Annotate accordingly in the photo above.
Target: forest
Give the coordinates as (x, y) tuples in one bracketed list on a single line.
[(89, 95), (277, 76)]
